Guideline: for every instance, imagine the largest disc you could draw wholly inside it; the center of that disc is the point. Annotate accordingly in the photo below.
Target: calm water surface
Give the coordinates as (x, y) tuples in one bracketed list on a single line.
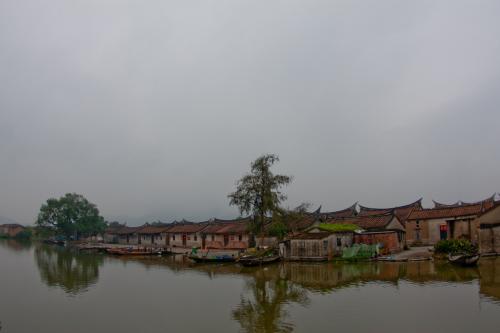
[(50, 289)]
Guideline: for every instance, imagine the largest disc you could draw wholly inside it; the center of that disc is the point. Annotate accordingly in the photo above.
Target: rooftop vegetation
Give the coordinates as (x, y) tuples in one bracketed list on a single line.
[(338, 227)]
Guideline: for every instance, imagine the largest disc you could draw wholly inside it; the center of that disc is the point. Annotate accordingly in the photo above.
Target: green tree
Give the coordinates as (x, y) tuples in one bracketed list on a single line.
[(258, 192), (71, 214)]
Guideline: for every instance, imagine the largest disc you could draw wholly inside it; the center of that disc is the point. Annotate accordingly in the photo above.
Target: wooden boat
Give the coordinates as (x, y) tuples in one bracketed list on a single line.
[(133, 252), (54, 242), (258, 261), (464, 259), (212, 258)]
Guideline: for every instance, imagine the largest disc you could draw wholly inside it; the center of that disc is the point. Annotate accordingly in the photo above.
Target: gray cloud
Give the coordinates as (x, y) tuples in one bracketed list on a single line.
[(154, 109)]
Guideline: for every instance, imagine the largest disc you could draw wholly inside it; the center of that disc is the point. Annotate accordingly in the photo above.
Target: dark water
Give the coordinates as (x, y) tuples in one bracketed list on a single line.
[(49, 289)]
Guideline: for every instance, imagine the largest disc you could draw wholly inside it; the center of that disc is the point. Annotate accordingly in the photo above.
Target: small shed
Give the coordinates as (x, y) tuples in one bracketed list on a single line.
[(315, 245)]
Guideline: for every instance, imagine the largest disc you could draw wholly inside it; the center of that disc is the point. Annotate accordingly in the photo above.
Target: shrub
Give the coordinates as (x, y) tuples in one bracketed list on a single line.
[(454, 246)]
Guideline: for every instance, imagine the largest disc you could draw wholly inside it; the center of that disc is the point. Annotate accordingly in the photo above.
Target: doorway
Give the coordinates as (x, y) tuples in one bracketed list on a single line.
[(443, 231)]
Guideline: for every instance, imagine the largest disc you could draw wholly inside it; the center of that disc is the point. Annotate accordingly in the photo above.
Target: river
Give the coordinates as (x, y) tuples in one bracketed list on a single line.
[(50, 289)]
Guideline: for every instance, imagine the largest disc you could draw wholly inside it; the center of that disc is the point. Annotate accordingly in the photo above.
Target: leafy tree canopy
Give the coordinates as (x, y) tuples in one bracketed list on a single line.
[(259, 192), (71, 214)]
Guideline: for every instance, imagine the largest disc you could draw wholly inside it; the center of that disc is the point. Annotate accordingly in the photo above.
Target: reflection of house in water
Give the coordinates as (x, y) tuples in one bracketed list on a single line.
[(71, 271), (489, 285)]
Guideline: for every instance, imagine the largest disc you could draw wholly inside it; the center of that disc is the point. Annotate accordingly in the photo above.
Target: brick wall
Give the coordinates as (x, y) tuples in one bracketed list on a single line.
[(389, 241)]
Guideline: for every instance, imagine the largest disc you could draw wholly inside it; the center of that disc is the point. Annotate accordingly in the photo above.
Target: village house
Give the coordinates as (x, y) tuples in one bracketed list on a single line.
[(110, 235), (313, 246), (489, 230), (385, 229), (227, 234), (154, 236), (11, 229), (455, 221), (319, 242), (128, 235), (186, 234)]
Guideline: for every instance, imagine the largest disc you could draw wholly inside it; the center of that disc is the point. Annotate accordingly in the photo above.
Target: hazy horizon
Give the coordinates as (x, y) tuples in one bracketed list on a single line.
[(154, 110)]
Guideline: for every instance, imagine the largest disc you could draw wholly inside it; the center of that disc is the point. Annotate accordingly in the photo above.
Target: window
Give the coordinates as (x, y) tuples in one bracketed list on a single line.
[(240, 237), (195, 237), (339, 241), (418, 224), (188, 238), (325, 246), (231, 238), (213, 238), (173, 237)]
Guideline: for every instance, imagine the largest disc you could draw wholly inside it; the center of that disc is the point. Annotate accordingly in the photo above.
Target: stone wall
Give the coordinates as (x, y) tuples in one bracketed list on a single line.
[(489, 240)]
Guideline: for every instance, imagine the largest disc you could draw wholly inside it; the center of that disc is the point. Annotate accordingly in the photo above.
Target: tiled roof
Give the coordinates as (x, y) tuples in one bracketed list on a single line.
[(487, 203), (442, 205), (302, 223), (446, 212), (127, 230), (11, 225), (367, 222), (187, 228), (402, 212), (311, 235), (496, 205), (227, 227), (153, 230), (347, 212)]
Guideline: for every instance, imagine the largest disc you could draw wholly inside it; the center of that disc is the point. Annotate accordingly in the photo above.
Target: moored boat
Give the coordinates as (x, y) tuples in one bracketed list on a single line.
[(133, 251), (258, 261), (212, 257), (464, 259)]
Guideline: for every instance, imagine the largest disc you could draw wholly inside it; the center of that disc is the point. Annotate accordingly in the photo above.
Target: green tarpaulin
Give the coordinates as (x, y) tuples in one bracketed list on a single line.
[(360, 251)]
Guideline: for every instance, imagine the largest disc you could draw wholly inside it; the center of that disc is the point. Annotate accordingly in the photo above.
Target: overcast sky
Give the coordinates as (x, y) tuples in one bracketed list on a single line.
[(153, 109)]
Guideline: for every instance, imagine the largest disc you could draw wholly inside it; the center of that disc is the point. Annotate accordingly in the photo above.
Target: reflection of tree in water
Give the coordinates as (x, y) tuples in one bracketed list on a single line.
[(264, 311), (71, 271)]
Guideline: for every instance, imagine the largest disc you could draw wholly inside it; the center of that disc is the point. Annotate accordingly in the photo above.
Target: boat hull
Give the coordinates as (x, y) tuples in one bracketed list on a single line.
[(256, 261), (464, 259), (212, 259)]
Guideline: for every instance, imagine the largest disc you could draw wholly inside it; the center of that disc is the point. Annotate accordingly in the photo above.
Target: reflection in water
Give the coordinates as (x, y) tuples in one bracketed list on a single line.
[(489, 286), (16, 245), (72, 271), (275, 298), (264, 310)]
